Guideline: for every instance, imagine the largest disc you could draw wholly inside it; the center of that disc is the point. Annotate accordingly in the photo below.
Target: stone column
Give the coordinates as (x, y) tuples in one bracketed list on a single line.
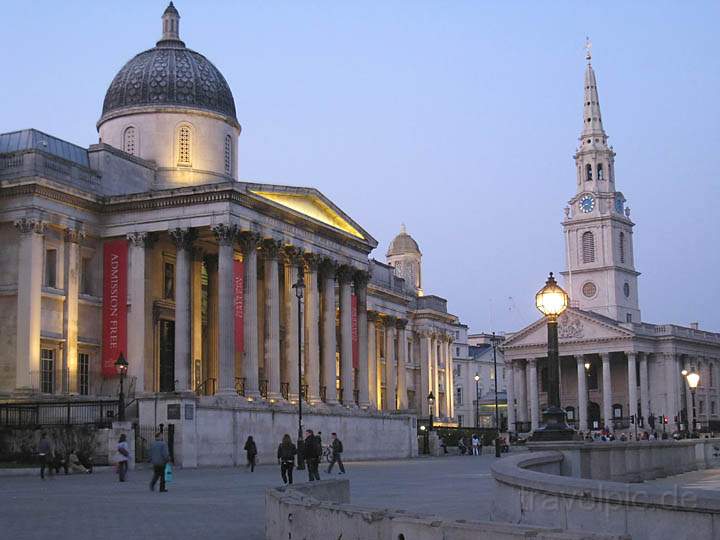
[(445, 351), (312, 327), (226, 236), (213, 350), (607, 391), (434, 353), (582, 393), (30, 268), (345, 274), (372, 359), (198, 369), (671, 386), (632, 385), (390, 365), (521, 387), (72, 289), (425, 371), (137, 315), (688, 363), (402, 399), (534, 401), (329, 336), (510, 390), (361, 279), (251, 364), (644, 389), (291, 262), (271, 249), (183, 239)]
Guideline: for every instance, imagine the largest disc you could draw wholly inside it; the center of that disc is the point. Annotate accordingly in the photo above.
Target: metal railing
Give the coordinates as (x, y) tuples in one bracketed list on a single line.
[(356, 397), (304, 390), (206, 388), (285, 390), (264, 388), (323, 394), (340, 394), (240, 385), (100, 413)]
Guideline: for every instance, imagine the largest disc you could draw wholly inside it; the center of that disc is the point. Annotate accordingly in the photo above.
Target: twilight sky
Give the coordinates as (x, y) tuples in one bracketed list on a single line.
[(459, 118)]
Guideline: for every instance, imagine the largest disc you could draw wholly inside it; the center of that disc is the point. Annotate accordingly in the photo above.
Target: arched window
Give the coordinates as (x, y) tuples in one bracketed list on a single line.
[(184, 145), (588, 172), (622, 247), (129, 139), (588, 247), (228, 154), (600, 175)]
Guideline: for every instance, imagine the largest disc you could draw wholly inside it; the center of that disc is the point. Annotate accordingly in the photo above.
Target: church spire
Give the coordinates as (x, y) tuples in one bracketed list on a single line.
[(592, 119), (170, 28)]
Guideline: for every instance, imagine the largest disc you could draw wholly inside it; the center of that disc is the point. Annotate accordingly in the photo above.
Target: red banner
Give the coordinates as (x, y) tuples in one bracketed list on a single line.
[(114, 312), (239, 303), (355, 349)]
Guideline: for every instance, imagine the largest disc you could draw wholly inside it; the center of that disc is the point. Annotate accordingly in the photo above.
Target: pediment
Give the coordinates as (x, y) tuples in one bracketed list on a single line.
[(574, 326)]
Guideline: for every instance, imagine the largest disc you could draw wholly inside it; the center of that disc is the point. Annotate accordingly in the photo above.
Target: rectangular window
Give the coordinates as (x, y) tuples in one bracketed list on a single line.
[(86, 276), (84, 374), (458, 396), (460, 420), (169, 277), (629, 317), (457, 351), (47, 371), (51, 268)]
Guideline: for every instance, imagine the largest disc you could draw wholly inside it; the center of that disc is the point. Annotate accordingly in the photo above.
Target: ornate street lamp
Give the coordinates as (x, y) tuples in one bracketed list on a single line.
[(299, 287), (552, 301), (121, 366), (431, 402), (693, 379), (477, 400)]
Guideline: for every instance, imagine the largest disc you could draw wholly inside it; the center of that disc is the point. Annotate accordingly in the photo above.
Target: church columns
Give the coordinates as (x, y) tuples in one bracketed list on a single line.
[(183, 239), (361, 280), (345, 274), (390, 366), (327, 270), (521, 386), (270, 249), (312, 323), (435, 372), (582, 393), (402, 400), (510, 390), (671, 387), (248, 243), (211, 367), (644, 389), (72, 244), (607, 391), (372, 375), (425, 371), (534, 403), (291, 266), (632, 385), (30, 268), (137, 314), (226, 235), (447, 353)]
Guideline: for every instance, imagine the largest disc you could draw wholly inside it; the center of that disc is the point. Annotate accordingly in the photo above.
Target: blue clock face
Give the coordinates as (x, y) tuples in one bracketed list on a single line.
[(587, 203), (619, 205)]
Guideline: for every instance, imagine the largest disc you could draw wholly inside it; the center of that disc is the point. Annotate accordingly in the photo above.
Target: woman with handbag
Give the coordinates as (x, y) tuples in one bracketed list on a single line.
[(122, 457)]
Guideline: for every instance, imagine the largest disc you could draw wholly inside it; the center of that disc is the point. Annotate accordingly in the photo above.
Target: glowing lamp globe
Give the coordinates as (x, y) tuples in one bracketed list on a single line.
[(693, 379), (551, 300)]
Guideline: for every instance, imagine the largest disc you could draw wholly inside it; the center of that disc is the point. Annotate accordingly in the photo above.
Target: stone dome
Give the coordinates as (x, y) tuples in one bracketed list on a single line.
[(403, 244), (169, 76)]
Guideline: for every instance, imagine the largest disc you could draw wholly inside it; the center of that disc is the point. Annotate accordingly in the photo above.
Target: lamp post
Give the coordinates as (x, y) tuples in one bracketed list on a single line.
[(552, 301), (497, 410), (121, 365), (693, 379), (299, 287), (588, 365), (431, 402), (477, 400)]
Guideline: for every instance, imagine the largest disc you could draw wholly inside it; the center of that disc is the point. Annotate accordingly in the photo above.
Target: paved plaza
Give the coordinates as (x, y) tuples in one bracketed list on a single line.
[(226, 503)]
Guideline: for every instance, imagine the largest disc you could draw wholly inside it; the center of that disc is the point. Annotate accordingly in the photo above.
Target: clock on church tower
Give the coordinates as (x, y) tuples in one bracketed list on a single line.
[(600, 274)]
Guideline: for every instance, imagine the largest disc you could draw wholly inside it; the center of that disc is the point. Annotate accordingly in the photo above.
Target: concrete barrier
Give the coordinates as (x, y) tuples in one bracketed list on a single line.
[(531, 489), (321, 510)]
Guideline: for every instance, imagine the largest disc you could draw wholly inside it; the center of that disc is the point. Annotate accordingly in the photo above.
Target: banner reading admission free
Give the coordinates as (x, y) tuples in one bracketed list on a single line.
[(239, 305), (355, 349), (114, 311)]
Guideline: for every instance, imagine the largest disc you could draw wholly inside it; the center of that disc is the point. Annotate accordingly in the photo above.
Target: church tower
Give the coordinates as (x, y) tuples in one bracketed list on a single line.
[(600, 275), (404, 255)]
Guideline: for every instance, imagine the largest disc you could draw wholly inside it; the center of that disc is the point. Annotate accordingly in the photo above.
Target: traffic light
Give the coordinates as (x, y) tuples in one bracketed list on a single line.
[(665, 419), (632, 419)]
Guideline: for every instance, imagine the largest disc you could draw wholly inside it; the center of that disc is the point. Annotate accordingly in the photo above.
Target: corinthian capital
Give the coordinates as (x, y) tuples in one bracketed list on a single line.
[(225, 233), (270, 248), (248, 241), (30, 225), (183, 238), (74, 234)]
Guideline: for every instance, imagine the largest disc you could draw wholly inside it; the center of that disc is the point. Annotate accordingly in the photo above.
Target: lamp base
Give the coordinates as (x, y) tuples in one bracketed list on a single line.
[(554, 427)]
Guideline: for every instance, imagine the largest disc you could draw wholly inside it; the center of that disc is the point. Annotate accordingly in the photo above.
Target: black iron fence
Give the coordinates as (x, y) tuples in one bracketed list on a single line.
[(240, 385), (98, 413), (145, 436), (264, 388), (285, 390)]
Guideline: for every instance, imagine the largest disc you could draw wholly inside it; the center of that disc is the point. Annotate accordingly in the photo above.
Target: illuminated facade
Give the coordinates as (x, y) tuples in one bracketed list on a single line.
[(147, 244)]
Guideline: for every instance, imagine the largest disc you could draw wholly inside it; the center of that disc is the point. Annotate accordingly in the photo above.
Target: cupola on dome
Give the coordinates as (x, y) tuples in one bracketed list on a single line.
[(169, 76)]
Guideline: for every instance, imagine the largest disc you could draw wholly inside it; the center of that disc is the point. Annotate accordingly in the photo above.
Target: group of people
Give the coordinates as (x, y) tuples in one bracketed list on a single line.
[(311, 451), (475, 448), (53, 460)]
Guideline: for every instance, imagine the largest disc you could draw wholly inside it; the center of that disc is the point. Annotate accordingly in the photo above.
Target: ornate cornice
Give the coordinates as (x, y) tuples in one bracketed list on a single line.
[(47, 192)]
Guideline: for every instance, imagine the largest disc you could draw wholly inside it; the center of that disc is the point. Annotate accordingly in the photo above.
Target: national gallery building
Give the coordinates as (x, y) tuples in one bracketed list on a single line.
[(146, 244)]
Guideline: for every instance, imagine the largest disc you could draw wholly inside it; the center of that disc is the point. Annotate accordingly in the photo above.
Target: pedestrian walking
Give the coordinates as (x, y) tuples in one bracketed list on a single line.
[(337, 449), (45, 452), (313, 451), (159, 457), (286, 457), (251, 453), (475, 445), (123, 453)]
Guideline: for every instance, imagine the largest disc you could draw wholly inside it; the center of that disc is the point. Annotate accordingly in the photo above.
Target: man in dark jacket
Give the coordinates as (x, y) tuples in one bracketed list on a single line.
[(159, 456), (286, 456), (313, 451), (337, 449)]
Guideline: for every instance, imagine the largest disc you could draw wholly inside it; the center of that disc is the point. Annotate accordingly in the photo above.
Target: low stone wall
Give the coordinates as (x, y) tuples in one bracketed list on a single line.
[(322, 510), (211, 431), (531, 489)]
